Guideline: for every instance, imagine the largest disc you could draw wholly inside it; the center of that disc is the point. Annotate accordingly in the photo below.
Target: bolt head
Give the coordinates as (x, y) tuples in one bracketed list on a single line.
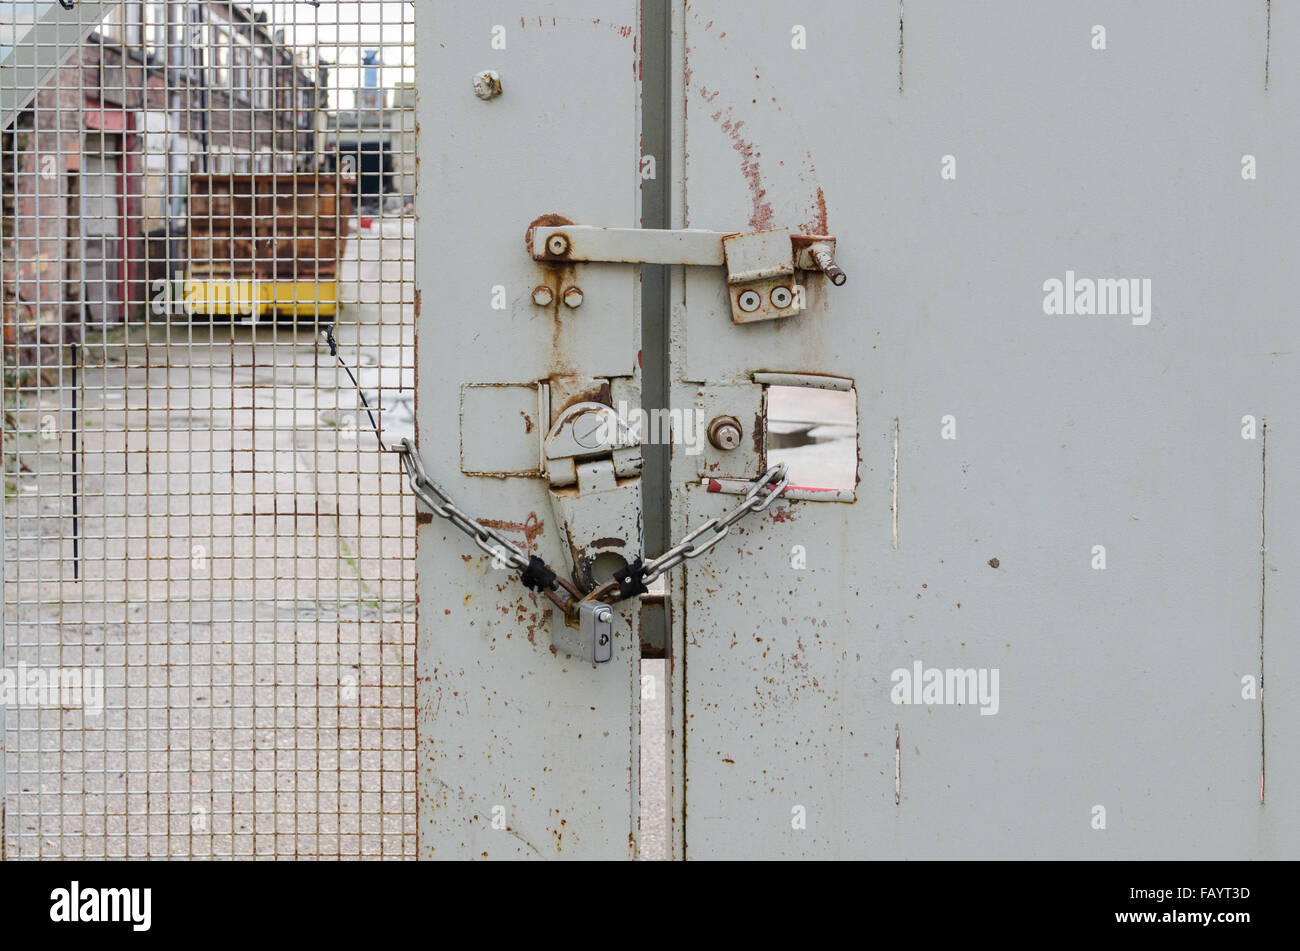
[(573, 297), (542, 296), (487, 84), (749, 301), (782, 298), (725, 433), (557, 244)]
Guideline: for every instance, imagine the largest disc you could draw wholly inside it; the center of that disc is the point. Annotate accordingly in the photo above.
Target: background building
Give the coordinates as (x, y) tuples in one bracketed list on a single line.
[(94, 173), (375, 140)]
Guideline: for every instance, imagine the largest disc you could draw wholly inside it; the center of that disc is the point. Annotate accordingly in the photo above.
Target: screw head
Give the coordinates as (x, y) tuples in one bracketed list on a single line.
[(487, 84), (749, 301), (782, 298), (542, 296), (604, 614), (573, 297), (557, 244), (725, 433)]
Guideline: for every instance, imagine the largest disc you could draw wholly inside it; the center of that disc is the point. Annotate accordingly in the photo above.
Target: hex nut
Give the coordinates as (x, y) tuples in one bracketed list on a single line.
[(573, 297), (542, 296), (725, 433)]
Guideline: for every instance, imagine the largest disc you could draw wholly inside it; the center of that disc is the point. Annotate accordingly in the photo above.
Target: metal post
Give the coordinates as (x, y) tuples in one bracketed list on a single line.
[(656, 88), (33, 46)]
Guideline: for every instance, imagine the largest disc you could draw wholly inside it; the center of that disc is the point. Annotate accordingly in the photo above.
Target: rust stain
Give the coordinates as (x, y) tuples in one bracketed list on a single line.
[(818, 223), (557, 277), (423, 518), (530, 527), (528, 422), (551, 220), (600, 394), (993, 562), (761, 213)]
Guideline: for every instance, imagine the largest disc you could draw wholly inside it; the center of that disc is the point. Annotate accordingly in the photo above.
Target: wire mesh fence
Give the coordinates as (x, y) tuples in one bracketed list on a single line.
[(209, 609)]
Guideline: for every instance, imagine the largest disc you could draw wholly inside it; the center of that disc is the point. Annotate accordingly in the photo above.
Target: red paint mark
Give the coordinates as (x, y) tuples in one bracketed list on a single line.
[(715, 485), (783, 514), (761, 213)]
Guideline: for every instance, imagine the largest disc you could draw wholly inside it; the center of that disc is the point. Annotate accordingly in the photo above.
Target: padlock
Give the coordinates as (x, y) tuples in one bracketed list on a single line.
[(589, 636)]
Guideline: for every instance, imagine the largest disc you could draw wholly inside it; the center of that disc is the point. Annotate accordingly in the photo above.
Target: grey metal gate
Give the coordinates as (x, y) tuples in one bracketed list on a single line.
[(1030, 612)]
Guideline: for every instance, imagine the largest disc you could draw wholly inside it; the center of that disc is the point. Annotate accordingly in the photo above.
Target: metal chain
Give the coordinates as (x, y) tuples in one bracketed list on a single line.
[(488, 539), (759, 497)]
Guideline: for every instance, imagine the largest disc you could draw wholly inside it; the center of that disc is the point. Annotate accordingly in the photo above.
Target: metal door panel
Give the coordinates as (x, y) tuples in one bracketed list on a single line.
[(1118, 687), (508, 730)]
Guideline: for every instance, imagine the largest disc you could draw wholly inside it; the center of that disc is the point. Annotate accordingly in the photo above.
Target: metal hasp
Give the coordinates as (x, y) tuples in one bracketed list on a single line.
[(589, 636), (593, 464), (763, 267)]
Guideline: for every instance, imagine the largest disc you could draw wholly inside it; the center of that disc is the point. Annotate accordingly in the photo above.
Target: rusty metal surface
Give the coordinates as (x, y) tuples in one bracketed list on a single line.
[(522, 751)]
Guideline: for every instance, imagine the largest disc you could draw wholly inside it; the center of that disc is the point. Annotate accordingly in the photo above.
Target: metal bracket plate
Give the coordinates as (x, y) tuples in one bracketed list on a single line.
[(593, 464)]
